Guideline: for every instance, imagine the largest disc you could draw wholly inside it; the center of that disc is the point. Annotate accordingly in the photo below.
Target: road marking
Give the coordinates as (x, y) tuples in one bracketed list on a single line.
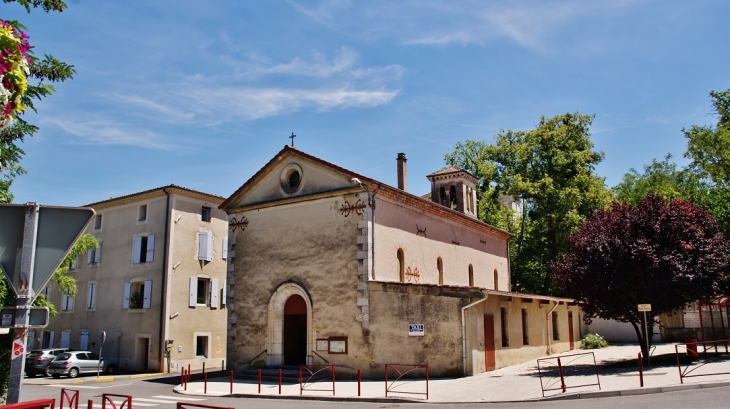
[(61, 385), (135, 400), (176, 398)]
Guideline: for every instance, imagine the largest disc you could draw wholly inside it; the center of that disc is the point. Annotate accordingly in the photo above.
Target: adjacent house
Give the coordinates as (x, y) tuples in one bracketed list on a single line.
[(330, 266), (155, 285)]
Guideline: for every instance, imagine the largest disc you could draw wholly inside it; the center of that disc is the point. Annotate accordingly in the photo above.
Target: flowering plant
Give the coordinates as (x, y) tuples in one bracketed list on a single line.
[(14, 69)]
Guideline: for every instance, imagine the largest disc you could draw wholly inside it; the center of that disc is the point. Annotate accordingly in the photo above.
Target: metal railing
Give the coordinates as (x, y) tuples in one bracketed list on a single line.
[(402, 371), (557, 369), (308, 377), (699, 363)]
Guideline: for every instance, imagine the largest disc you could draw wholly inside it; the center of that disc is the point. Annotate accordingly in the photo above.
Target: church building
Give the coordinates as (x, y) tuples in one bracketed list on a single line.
[(327, 266)]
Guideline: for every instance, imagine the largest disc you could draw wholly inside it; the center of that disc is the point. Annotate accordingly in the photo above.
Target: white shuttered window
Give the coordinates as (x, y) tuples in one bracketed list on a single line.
[(205, 246)]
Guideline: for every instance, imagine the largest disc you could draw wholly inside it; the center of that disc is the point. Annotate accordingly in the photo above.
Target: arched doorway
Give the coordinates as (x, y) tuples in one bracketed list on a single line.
[(289, 325), (295, 331)]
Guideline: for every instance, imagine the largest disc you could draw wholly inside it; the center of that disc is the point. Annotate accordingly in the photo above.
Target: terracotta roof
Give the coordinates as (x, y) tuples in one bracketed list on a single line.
[(158, 191), (448, 169), (372, 184)]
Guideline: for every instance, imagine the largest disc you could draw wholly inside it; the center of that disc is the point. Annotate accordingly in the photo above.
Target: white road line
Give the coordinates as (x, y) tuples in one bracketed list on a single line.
[(135, 400), (175, 398), (67, 386)]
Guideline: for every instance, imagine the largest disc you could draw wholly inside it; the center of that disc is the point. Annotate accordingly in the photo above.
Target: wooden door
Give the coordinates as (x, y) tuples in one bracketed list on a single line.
[(570, 330), (489, 357)]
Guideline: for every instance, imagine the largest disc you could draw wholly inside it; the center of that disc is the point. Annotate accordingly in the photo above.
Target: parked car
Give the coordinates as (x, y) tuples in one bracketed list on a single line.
[(73, 363), (37, 361)]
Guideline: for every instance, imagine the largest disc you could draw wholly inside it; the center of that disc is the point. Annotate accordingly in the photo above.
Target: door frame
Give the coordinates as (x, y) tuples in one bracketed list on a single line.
[(489, 341)]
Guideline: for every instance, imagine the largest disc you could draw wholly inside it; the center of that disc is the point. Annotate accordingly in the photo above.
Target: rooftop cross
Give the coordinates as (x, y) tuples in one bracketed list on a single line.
[(292, 138)]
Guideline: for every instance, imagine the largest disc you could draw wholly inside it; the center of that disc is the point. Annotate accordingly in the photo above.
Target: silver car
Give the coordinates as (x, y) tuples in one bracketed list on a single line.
[(80, 362)]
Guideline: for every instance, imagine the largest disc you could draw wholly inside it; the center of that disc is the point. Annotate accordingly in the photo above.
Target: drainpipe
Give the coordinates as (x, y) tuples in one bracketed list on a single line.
[(163, 299), (371, 200), (463, 332), (547, 328)]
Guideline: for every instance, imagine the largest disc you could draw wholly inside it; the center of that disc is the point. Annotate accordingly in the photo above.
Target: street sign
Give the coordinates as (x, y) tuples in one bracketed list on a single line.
[(58, 230), (415, 330), (38, 317), (644, 307)]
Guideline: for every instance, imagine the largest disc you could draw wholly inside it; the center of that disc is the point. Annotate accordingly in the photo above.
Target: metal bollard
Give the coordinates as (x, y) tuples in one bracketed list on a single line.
[(358, 381), (231, 383), (279, 381), (205, 383), (641, 371), (259, 380)]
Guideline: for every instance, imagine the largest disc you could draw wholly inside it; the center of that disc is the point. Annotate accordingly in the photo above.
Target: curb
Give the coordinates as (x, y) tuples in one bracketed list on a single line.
[(635, 392), (94, 380), (583, 395)]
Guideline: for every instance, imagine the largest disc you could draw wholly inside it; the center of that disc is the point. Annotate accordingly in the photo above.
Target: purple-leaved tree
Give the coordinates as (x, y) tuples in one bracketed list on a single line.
[(666, 254)]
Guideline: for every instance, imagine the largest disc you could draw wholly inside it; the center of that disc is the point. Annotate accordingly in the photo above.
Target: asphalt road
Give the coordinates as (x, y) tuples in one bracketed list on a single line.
[(157, 393)]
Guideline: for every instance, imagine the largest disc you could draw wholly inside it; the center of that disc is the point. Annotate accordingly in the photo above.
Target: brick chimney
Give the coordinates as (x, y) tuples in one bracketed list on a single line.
[(401, 160)]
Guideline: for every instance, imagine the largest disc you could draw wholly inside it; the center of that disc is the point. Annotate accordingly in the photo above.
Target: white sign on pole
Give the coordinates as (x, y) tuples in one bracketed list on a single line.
[(644, 307)]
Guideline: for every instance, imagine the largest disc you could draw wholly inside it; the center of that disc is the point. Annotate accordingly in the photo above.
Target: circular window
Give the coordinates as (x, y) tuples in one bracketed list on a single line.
[(291, 178)]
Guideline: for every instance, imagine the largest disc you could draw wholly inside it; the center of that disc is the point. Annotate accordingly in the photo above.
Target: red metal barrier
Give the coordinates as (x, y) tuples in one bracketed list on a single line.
[(205, 383), (402, 370), (313, 371), (73, 401), (32, 404), (700, 361), (259, 381), (185, 405), (126, 403), (231, 392), (567, 366), (641, 371), (358, 381), (90, 404)]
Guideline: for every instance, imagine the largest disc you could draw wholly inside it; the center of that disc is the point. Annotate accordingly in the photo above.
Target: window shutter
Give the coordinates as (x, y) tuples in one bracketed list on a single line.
[(214, 293), (136, 249), (64, 302), (205, 246), (97, 253), (70, 303), (147, 294), (150, 247), (127, 290), (50, 340), (223, 294), (91, 296), (75, 264), (225, 249), (193, 292), (90, 257)]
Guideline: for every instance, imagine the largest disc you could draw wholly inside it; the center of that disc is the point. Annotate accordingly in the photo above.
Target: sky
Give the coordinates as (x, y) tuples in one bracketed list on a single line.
[(204, 94)]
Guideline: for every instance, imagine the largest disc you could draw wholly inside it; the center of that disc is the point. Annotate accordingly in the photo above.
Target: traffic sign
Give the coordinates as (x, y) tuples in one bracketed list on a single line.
[(644, 307), (38, 317), (58, 230)]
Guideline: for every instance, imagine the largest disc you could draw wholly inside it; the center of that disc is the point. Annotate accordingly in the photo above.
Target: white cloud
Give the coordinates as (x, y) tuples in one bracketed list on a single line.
[(105, 132), (306, 82)]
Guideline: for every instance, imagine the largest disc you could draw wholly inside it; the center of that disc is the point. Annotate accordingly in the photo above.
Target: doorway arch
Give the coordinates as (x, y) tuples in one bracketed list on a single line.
[(290, 303)]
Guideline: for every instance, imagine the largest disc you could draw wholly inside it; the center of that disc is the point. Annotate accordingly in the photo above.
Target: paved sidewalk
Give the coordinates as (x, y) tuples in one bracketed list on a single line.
[(514, 383)]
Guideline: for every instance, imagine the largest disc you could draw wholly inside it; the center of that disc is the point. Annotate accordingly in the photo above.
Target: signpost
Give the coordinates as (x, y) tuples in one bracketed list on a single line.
[(646, 308), (34, 241)]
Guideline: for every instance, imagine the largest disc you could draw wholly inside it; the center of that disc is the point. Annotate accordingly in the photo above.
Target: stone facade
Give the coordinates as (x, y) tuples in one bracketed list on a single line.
[(368, 260), (142, 285)]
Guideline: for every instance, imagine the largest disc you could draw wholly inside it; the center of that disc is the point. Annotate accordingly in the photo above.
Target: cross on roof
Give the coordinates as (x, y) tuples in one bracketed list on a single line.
[(292, 138)]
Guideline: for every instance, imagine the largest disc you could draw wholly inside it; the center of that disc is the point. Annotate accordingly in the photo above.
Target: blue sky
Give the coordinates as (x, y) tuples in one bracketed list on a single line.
[(203, 94)]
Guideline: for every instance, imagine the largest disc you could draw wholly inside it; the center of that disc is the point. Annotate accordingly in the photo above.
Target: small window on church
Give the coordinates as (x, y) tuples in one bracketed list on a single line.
[(444, 200), (496, 280), (401, 265), (291, 178), (471, 276), (440, 267), (452, 193)]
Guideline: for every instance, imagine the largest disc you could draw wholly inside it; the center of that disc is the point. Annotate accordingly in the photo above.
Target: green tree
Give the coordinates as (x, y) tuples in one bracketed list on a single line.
[(43, 73), (704, 182), (550, 172)]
